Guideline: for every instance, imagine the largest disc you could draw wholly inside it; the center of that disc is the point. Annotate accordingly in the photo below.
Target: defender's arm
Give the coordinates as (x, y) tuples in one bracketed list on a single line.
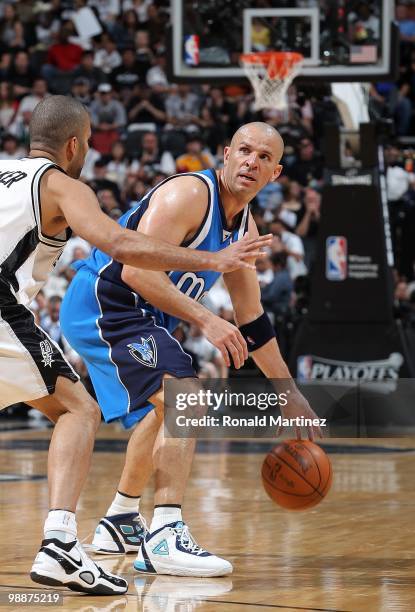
[(78, 205)]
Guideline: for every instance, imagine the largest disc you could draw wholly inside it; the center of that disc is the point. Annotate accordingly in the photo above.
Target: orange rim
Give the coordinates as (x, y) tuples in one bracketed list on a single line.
[(278, 63)]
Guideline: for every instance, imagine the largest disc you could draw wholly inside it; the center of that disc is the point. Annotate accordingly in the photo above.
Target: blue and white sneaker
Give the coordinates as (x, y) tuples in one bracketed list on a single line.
[(172, 550), (119, 534)]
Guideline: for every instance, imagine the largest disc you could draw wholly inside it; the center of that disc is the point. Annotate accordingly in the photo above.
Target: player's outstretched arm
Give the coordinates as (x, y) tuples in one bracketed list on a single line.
[(245, 294), (79, 206)]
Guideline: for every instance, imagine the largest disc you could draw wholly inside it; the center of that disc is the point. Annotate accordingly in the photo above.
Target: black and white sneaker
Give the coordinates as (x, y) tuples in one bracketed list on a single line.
[(119, 534), (67, 564)]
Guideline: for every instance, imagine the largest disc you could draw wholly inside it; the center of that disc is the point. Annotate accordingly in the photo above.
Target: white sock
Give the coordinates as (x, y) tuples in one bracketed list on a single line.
[(123, 504), (164, 515), (61, 525)]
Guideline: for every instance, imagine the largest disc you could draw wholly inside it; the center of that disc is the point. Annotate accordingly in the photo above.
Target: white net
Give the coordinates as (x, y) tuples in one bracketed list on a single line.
[(270, 75)]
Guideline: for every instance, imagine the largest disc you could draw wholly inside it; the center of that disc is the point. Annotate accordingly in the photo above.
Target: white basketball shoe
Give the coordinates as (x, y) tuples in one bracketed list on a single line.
[(67, 564), (119, 534), (172, 550)]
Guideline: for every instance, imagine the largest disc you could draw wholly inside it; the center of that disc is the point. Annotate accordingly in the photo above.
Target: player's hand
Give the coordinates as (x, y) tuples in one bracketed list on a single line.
[(227, 338), (298, 406), (241, 254)]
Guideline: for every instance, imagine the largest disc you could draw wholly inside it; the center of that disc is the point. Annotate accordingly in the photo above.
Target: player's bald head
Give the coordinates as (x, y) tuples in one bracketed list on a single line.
[(260, 131), (55, 120)]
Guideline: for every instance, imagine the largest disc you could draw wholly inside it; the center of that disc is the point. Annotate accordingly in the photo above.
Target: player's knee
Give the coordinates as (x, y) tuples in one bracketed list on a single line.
[(91, 411)]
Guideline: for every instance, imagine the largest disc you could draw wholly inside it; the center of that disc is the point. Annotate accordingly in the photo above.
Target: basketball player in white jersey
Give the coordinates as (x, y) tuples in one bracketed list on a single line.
[(40, 199)]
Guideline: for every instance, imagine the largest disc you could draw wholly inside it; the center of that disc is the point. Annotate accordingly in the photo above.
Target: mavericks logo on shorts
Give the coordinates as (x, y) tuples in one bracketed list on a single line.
[(47, 353), (146, 352)]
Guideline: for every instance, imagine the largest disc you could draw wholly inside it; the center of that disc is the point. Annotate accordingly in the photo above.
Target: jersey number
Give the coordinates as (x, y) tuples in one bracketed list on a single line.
[(195, 285)]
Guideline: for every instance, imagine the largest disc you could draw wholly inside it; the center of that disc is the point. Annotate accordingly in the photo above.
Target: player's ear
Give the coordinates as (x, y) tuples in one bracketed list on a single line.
[(277, 172), (226, 152), (71, 147)]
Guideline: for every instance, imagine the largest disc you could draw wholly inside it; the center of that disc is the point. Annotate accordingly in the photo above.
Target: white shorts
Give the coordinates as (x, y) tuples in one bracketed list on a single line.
[(30, 361)]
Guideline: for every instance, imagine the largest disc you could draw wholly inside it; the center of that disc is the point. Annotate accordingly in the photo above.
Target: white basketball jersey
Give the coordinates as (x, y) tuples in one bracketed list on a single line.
[(26, 255)]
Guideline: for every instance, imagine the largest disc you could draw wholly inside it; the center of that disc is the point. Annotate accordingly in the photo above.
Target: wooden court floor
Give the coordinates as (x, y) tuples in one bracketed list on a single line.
[(354, 552)]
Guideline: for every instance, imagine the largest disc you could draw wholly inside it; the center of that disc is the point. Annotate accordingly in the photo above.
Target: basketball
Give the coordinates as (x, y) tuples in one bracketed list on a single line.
[(297, 474)]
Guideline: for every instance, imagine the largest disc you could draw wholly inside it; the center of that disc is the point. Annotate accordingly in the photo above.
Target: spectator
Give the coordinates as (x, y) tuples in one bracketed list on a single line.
[(158, 21), (146, 107), (364, 26), (127, 74), (108, 202), (308, 223), (8, 105), (118, 165), (276, 295), (308, 166), (81, 90), (87, 70), (92, 156), (140, 7), (108, 116), (20, 128), (100, 182), (219, 301), (144, 54), (107, 57), (10, 148), (50, 321), (38, 92), (292, 192), (285, 241), (209, 359), (260, 35), (182, 106), (196, 158), (46, 29), (18, 39), (20, 74), (7, 24), (264, 271), (63, 57), (124, 32), (156, 77), (152, 158)]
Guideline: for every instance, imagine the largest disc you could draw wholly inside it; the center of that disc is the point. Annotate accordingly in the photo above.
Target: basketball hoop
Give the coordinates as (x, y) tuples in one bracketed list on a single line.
[(271, 73)]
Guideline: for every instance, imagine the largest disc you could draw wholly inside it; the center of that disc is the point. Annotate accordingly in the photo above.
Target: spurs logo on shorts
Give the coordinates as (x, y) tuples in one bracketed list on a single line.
[(146, 352), (47, 353)]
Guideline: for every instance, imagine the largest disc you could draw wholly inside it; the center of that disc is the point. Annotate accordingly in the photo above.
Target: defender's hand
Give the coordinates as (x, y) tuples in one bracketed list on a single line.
[(298, 406), (238, 254), (227, 338)]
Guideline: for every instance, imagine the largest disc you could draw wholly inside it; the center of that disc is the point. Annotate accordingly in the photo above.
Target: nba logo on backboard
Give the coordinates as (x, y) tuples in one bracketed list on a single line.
[(191, 50), (304, 364), (336, 258)]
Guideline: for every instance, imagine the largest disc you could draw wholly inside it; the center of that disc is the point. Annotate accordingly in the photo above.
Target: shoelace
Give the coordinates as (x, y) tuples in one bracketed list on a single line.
[(187, 541), (142, 520)]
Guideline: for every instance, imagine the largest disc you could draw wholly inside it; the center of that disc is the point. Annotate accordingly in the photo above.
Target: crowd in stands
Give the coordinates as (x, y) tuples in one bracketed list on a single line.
[(145, 128)]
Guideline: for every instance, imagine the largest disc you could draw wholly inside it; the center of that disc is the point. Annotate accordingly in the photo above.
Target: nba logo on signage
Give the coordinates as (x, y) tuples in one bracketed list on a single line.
[(304, 365), (191, 50), (336, 258)]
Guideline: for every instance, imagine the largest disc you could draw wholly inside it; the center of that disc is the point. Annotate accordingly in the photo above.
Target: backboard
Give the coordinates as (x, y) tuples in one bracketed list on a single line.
[(345, 40)]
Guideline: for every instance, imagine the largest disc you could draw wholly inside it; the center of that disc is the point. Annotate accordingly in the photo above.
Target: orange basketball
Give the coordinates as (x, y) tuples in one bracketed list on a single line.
[(297, 474)]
